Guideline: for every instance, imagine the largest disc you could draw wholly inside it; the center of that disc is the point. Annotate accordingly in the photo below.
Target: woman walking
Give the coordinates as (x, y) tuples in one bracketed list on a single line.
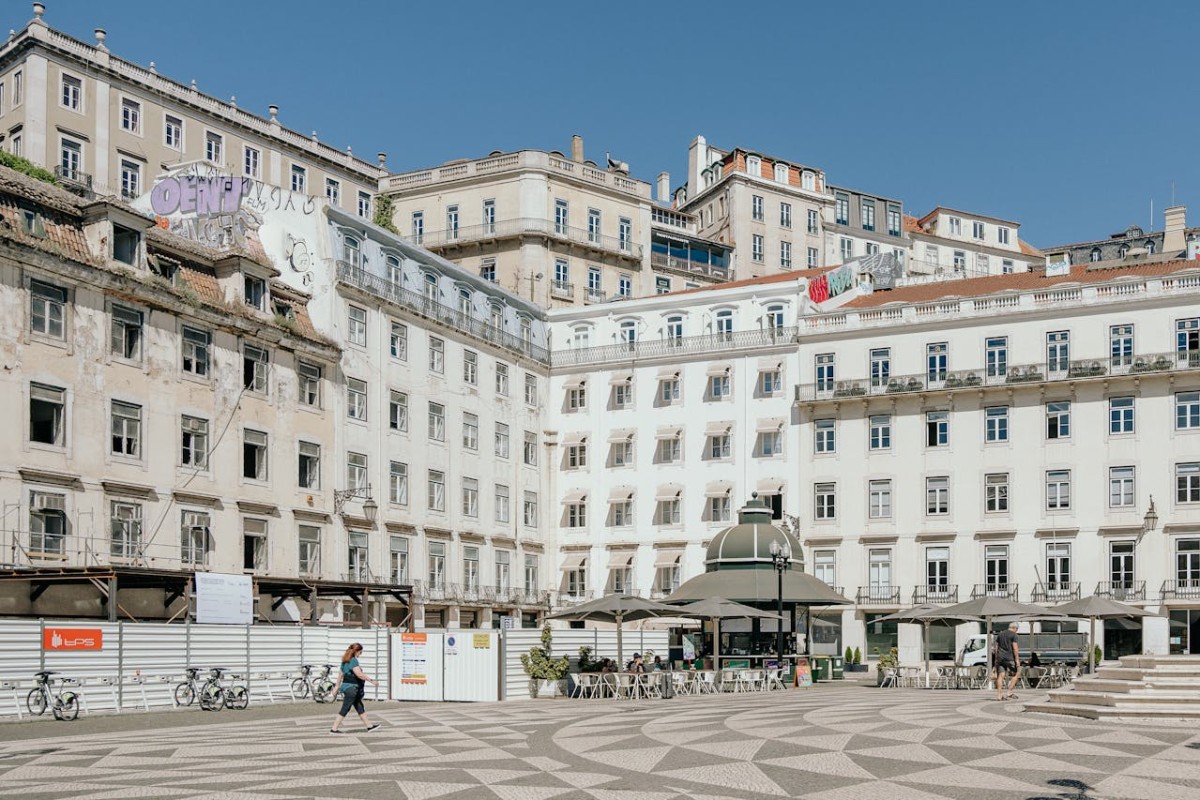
[(353, 681)]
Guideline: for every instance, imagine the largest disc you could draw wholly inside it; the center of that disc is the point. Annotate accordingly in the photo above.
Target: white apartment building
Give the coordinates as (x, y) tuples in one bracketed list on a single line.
[(558, 230), (956, 243), (108, 126), (771, 211)]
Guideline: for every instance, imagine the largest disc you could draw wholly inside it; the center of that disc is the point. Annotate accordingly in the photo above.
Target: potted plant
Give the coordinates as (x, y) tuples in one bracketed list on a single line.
[(889, 660), (586, 664), (547, 674), (854, 664), (849, 658)]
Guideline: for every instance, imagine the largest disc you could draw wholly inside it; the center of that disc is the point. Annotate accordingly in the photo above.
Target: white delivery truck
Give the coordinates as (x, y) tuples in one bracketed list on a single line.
[(1069, 648)]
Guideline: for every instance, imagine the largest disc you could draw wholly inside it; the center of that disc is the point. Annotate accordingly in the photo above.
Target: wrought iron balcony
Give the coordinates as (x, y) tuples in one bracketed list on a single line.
[(74, 180), (526, 226), (878, 595), (1185, 589), (595, 296), (571, 598), (1009, 590), (562, 289), (1055, 591), (689, 266), (935, 594), (1122, 591)]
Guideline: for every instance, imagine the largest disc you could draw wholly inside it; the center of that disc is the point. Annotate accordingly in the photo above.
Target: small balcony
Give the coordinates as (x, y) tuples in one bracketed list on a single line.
[(878, 595), (524, 227), (1122, 591), (562, 290), (1009, 590), (935, 594), (74, 180), (1056, 592), (572, 597), (688, 266), (1185, 589), (595, 296)]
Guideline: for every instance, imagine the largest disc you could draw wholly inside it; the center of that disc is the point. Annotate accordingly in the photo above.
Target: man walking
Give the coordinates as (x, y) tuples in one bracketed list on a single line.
[(1008, 661)]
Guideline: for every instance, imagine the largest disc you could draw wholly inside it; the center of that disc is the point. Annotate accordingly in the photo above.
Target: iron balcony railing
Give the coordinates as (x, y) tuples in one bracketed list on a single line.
[(683, 345), (953, 380), (687, 265), (595, 296), (878, 595), (1182, 589), (432, 309), (571, 598), (74, 179), (562, 289), (1009, 590), (1055, 591), (526, 226), (1122, 591), (935, 594)]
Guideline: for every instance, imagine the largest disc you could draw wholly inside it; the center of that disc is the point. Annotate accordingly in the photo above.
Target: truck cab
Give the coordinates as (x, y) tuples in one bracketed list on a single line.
[(1067, 648)]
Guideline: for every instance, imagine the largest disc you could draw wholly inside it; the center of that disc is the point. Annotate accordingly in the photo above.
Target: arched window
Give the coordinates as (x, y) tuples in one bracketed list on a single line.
[(775, 316), (808, 181), (394, 271), (582, 336), (781, 173), (431, 286), (526, 330), (1096, 254), (464, 300), (629, 331), (497, 314), (725, 323), (1124, 251), (754, 166), (351, 251), (1150, 246), (674, 329)]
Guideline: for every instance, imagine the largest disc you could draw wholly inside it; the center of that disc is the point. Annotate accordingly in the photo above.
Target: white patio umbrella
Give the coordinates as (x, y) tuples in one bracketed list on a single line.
[(920, 614)]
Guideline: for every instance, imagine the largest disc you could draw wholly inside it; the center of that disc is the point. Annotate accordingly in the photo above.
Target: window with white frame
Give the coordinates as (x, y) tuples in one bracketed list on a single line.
[(868, 214), (531, 390), (71, 159), (1058, 490), (756, 247), (825, 566), (785, 215), (502, 379), (214, 147), (754, 166), (1058, 565), (937, 495), (846, 248), (418, 227), (125, 524), (500, 503), (299, 179), (364, 205), (489, 216), (47, 523), (173, 132), (357, 325), (621, 510), (131, 179), (125, 341), (529, 450), (622, 453), (254, 292), (1058, 420), (1187, 411), (437, 355), (770, 443), (881, 366), (893, 221), (309, 466), (623, 394), (879, 499), (960, 261), (561, 216), (398, 341), (774, 317), (437, 422), (470, 367), (770, 382), (502, 440), (1002, 234), (624, 286), (668, 510), (470, 497), (977, 229), (356, 471), (577, 513), (785, 255), (996, 356), (668, 390), (254, 455), (995, 424), (397, 410), (576, 457), (881, 431), (1120, 345), (670, 448), (756, 208), (470, 431), (1058, 351), (995, 567), (1120, 487), (1120, 415), (333, 192), (48, 309), (72, 92), (937, 428), (813, 221), (577, 397), (435, 490), (719, 508), (825, 501), (437, 565), (995, 492), (356, 399), (398, 483), (824, 436), (126, 430), (719, 386), (1187, 482), (937, 361), (1187, 338), (662, 284), (193, 442), (826, 372), (398, 552), (813, 257), (529, 509)]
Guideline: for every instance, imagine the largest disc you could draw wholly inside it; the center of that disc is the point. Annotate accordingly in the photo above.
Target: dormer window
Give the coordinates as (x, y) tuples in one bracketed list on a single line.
[(808, 181), (754, 165), (1149, 247), (1124, 251), (781, 173), (1096, 256), (431, 286), (351, 252), (32, 223), (256, 292), (163, 267), (126, 242)]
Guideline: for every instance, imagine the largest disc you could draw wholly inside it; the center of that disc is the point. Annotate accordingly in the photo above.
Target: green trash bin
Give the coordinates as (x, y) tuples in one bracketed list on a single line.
[(839, 669), (820, 668)]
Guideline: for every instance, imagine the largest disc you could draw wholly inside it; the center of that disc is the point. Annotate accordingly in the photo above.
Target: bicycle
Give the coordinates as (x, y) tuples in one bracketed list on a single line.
[(186, 692), (215, 695), (65, 704), (321, 687)]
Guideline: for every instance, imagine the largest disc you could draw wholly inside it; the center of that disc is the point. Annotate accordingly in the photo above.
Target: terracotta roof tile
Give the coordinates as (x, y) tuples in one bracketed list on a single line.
[(1029, 249), (1019, 281), (912, 224)]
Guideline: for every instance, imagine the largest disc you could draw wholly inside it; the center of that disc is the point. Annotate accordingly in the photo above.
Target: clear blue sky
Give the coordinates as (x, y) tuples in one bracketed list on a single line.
[(1069, 117)]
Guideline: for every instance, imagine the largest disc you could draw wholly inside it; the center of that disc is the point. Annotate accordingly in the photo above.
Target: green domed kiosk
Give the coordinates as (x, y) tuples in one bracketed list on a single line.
[(743, 564)]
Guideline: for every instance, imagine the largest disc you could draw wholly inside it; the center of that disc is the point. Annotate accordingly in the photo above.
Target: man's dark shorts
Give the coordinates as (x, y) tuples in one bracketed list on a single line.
[(1007, 666)]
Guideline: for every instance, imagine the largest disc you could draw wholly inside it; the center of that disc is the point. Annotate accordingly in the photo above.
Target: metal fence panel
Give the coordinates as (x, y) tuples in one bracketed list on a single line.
[(158, 655)]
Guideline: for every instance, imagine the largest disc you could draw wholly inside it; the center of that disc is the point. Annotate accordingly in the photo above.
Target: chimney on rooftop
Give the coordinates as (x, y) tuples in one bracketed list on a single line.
[(664, 187), (1174, 240), (577, 148)]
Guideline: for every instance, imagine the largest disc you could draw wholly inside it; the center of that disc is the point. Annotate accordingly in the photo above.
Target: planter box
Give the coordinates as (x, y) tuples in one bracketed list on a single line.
[(857, 667), (540, 689)]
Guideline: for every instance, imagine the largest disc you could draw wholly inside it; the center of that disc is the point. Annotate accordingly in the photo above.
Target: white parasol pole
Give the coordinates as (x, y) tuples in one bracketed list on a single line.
[(620, 647), (988, 643), (925, 647), (1092, 648)]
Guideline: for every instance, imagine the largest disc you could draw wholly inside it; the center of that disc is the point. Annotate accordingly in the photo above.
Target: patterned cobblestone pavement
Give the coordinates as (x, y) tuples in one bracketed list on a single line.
[(828, 743)]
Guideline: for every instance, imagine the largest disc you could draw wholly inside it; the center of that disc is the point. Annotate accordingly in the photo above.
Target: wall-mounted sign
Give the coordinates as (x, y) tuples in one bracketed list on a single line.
[(72, 639), (451, 644), (414, 657), (481, 641)]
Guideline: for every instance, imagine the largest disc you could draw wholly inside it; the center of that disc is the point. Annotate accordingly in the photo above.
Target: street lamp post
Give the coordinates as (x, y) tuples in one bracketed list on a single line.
[(781, 559)]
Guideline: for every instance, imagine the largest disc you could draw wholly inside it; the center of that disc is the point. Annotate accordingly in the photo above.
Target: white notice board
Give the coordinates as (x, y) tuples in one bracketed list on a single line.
[(224, 599)]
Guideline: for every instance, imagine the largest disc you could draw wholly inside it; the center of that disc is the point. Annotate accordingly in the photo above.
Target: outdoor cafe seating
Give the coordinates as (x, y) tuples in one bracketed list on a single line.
[(653, 684)]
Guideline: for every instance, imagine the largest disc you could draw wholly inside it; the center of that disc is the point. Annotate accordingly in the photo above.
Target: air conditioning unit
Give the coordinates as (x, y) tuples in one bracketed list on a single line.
[(43, 501)]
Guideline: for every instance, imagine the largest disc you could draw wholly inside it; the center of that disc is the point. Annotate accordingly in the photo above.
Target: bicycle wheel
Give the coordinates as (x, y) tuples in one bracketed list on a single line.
[(323, 691), (66, 707), (212, 698), (300, 688), (35, 701), (185, 695), (237, 698)]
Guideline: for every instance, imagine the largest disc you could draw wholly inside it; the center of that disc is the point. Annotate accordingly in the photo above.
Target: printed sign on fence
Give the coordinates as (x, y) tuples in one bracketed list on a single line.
[(224, 599), (72, 639), (413, 657), (451, 644), (481, 641)]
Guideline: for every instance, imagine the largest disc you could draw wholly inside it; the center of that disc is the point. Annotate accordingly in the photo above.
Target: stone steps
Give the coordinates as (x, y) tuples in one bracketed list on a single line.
[(1158, 687), (1109, 712)]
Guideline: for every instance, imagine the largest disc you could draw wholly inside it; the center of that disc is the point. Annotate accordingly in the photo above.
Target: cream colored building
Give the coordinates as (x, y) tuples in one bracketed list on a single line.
[(953, 243), (106, 125), (558, 230)]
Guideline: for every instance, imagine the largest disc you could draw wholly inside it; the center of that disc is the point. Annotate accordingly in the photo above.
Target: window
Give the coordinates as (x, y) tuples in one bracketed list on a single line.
[(1006, 266), (669, 390), (785, 215), (825, 566), (880, 499), (309, 466), (357, 326), (356, 399), (593, 225), (195, 351), (173, 132), (754, 166), (47, 523), (825, 500), (813, 225), (955, 226), (351, 251), (502, 440), (1120, 560), (937, 495), (437, 422), (398, 483), (1187, 410), (309, 554), (500, 503), (576, 455), (622, 512), (561, 216), (437, 355), (18, 84), (785, 255), (71, 159), (299, 179), (1058, 565), (756, 208), (418, 227), (594, 292), (719, 508), (868, 214), (824, 436), (470, 367), (398, 411), (255, 292), (14, 145), (126, 526), (126, 339), (996, 356), (531, 391), (960, 261), (577, 398), (624, 286), (719, 446), (1120, 415), (1001, 234), (364, 205), (881, 431), (871, 248), (995, 559), (470, 500), (126, 430), (1058, 490), (214, 145), (193, 442), (893, 221), (48, 306), (996, 424), (470, 431), (625, 233), (435, 496), (718, 387), (131, 182), (826, 372), (770, 382), (1187, 482), (670, 449), (756, 248), (937, 428), (529, 509), (977, 229), (781, 173), (1187, 338), (308, 377), (1120, 345), (254, 455), (1187, 561), (662, 285), (529, 450), (846, 248), (464, 302), (1058, 351), (72, 92), (842, 209), (937, 361), (881, 366), (771, 443), (813, 256), (1058, 420), (356, 471), (577, 514), (333, 192), (937, 570), (995, 493), (47, 414), (667, 510), (1120, 487), (774, 317)]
